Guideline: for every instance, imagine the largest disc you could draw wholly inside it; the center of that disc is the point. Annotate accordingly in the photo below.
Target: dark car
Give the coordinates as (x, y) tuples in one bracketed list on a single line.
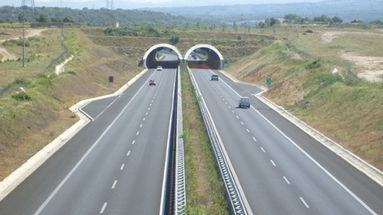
[(244, 102), (152, 83), (214, 78)]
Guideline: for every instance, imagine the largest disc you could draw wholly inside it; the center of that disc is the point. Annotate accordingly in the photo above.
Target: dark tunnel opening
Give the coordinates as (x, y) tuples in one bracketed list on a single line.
[(164, 57), (204, 58)]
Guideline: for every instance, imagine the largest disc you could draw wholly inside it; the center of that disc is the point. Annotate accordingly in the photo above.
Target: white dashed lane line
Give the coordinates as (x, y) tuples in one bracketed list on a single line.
[(287, 181), (248, 131), (103, 207), (263, 149), (255, 140), (304, 202), (133, 142), (122, 166), (146, 113), (137, 133), (242, 123), (272, 162), (128, 153), (143, 119), (114, 184), (141, 125), (237, 117)]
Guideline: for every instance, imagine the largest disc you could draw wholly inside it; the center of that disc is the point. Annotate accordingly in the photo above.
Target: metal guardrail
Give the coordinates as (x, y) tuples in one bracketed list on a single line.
[(233, 194), (180, 188)]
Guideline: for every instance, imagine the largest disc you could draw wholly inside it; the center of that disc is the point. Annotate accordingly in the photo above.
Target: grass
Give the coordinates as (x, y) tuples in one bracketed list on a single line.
[(204, 187)]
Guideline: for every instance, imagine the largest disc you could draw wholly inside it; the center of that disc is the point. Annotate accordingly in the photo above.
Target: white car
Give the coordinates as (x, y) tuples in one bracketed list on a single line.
[(159, 68)]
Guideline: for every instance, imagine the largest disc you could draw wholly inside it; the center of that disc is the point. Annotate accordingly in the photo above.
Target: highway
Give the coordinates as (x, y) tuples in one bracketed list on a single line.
[(114, 165), (281, 169)]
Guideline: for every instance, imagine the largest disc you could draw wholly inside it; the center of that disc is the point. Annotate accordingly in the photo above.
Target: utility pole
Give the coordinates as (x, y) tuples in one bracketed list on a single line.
[(23, 16)]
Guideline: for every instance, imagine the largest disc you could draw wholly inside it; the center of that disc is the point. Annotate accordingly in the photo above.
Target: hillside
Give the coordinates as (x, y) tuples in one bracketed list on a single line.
[(366, 10), (95, 17)]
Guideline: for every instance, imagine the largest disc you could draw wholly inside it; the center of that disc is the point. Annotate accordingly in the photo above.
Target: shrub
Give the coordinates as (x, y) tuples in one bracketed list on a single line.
[(21, 96), (174, 39), (314, 64)]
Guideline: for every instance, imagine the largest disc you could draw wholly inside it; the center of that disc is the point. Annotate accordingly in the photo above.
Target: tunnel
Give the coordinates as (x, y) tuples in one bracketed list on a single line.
[(204, 56), (164, 55)]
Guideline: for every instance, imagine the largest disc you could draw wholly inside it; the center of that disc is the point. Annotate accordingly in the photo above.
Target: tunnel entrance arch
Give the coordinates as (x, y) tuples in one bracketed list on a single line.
[(151, 60), (204, 56)]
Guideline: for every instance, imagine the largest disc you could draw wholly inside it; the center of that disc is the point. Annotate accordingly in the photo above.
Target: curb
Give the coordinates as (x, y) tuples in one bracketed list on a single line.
[(369, 170), (8, 184)]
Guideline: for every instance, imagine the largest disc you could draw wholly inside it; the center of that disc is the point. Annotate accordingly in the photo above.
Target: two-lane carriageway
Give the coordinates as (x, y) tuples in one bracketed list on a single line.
[(114, 165), (276, 175)]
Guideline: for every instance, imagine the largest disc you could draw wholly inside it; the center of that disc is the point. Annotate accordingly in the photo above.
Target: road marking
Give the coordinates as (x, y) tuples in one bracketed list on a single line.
[(237, 117), (248, 131), (58, 187), (134, 141), (242, 123), (127, 154), (304, 202), (255, 140), (146, 113), (103, 207), (150, 104), (122, 166), (287, 181), (114, 100), (137, 133), (143, 119), (114, 184), (141, 125), (148, 108), (310, 158), (232, 111), (272, 162), (263, 149)]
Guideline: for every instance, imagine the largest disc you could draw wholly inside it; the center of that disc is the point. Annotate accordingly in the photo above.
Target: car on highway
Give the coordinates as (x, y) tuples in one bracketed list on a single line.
[(159, 68), (214, 78), (152, 83), (244, 102)]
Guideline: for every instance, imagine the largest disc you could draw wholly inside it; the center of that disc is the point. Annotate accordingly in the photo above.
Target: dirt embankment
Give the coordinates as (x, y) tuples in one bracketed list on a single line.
[(371, 67), (6, 55)]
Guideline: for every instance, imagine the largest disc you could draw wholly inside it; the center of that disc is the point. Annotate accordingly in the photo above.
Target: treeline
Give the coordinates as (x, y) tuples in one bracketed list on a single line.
[(295, 19), (94, 17)]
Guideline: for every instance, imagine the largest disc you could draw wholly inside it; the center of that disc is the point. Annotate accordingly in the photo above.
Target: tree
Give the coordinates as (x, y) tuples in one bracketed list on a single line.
[(42, 18), (293, 19), (336, 19), (21, 17), (322, 19), (269, 22), (174, 39), (68, 19), (235, 27), (223, 27)]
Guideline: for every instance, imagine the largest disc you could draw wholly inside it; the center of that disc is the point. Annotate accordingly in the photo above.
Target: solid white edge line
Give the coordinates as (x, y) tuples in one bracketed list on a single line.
[(58, 187), (161, 211), (309, 156), (86, 114), (239, 186), (114, 100), (103, 207)]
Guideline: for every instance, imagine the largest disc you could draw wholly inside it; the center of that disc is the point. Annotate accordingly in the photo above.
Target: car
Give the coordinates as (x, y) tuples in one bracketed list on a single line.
[(244, 102), (159, 68), (214, 78), (152, 83)]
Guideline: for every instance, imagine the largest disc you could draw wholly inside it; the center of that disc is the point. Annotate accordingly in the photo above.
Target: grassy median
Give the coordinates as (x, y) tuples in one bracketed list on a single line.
[(204, 187)]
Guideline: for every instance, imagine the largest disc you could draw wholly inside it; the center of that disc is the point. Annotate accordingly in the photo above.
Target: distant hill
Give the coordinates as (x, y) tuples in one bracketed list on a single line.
[(365, 10), (95, 17)]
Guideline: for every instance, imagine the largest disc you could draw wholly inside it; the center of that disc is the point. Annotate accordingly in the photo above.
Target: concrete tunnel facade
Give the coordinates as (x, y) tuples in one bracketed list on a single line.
[(151, 62), (214, 59)]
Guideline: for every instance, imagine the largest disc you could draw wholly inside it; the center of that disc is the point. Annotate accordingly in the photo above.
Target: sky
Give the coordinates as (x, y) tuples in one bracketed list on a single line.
[(134, 4)]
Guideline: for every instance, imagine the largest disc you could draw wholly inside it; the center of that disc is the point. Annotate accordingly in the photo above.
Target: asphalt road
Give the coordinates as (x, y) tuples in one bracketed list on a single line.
[(281, 169), (115, 165)]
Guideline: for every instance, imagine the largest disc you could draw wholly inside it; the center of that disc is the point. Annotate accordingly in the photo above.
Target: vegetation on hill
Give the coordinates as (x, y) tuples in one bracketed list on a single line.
[(96, 17)]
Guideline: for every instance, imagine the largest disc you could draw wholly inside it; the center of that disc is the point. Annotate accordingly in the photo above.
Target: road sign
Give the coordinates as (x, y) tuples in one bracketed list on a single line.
[(268, 81), (111, 79)]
